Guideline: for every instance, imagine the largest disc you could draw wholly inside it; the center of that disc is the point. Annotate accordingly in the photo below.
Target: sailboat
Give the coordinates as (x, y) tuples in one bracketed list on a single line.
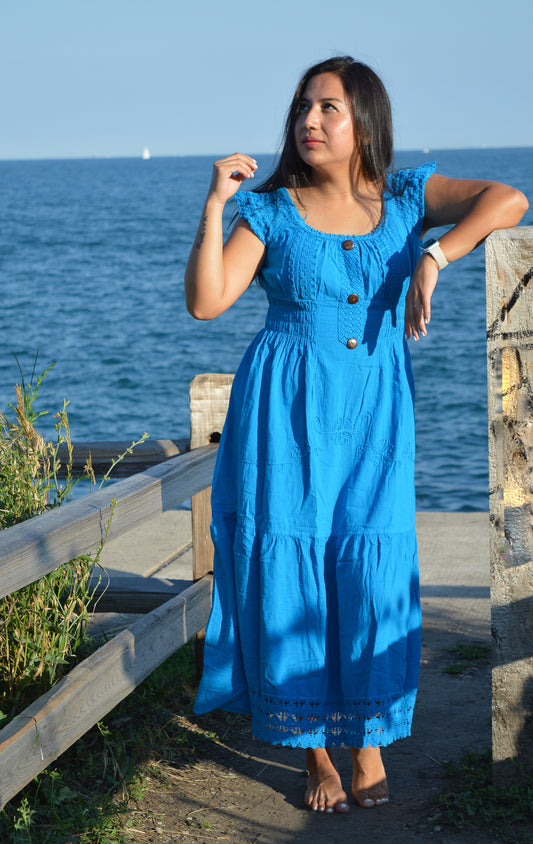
[(146, 153)]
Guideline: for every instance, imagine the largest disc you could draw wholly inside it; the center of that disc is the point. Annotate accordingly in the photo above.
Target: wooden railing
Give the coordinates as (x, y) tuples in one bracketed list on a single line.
[(28, 551), (145, 455)]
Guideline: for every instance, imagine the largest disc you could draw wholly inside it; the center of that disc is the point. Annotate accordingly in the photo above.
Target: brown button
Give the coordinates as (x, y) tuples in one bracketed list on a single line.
[(351, 343), (347, 244), (353, 298)]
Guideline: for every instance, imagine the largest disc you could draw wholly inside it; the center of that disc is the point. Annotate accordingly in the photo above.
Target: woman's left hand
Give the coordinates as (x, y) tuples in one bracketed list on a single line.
[(418, 300)]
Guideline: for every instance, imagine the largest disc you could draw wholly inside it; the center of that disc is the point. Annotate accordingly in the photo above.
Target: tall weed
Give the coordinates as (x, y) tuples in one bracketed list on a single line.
[(43, 624)]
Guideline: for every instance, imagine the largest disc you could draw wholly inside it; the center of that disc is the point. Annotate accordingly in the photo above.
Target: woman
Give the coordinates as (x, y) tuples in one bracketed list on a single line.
[(315, 626)]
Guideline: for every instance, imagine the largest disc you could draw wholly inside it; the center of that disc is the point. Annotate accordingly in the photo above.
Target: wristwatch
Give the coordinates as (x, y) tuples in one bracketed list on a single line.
[(432, 247)]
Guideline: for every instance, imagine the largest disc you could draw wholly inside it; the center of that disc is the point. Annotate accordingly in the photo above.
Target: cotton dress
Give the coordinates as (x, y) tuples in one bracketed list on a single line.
[(315, 624)]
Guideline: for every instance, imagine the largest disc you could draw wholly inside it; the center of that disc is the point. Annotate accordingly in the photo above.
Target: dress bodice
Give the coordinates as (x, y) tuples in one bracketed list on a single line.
[(364, 278)]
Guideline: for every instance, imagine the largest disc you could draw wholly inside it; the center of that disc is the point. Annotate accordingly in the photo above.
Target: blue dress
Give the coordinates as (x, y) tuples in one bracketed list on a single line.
[(315, 624)]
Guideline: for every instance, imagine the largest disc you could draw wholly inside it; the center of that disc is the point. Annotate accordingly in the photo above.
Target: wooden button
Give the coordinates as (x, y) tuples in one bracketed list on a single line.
[(347, 244), (353, 298), (351, 343)]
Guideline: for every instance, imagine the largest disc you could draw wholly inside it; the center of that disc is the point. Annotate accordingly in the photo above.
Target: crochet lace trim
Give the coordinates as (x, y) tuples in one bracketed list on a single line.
[(311, 723)]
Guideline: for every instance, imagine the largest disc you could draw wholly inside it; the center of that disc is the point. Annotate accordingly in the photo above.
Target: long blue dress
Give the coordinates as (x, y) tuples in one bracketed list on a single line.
[(315, 625)]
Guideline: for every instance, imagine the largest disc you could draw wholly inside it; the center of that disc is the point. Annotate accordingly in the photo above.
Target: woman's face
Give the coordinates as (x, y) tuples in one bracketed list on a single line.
[(324, 130)]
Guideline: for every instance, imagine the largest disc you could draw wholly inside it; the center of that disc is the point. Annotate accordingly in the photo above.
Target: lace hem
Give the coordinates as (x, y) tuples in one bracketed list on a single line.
[(354, 723)]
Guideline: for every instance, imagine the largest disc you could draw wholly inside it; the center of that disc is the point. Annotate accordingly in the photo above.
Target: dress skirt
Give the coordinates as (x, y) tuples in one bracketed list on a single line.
[(315, 627)]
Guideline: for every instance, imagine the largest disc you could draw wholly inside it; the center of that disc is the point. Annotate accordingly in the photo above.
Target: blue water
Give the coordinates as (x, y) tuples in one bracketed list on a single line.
[(92, 256)]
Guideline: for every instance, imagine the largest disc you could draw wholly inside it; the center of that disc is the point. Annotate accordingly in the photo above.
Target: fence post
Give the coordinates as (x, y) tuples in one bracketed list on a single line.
[(209, 397), (509, 276)]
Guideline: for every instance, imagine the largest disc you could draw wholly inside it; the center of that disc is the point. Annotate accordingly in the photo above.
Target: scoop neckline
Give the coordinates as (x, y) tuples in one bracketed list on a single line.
[(375, 231)]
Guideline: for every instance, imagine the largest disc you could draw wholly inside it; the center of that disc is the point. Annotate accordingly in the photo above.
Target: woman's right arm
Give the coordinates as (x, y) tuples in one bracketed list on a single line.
[(216, 275)]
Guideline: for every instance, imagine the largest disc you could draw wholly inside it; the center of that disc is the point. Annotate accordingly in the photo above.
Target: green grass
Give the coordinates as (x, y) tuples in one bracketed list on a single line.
[(473, 802), (465, 653), (43, 624), (43, 627), (85, 798)]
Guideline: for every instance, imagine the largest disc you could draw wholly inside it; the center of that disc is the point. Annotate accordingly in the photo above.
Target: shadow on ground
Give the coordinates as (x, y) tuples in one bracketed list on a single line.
[(242, 790)]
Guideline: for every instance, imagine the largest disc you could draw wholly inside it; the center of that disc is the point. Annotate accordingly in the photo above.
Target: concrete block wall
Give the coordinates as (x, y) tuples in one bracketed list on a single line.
[(509, 265)]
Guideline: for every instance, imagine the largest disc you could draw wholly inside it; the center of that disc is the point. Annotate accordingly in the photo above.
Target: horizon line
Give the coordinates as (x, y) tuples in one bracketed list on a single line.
[(106, 157)]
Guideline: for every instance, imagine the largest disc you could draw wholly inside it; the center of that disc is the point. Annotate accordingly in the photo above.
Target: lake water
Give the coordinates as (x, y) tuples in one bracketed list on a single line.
[(92, 256)]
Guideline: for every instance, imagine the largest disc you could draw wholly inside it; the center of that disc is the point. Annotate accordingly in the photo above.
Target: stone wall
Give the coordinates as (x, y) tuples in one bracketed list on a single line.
[(509, 258)]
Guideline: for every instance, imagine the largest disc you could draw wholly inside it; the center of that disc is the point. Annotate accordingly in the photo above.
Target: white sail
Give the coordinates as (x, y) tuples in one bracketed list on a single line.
[(146, 153)]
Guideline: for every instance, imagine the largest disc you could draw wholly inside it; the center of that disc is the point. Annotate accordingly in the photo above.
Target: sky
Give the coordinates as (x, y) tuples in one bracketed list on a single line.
[(84, 78)]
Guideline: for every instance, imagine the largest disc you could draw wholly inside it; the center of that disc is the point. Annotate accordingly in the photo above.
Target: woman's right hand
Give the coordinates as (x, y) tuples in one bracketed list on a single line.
[(228, 173)]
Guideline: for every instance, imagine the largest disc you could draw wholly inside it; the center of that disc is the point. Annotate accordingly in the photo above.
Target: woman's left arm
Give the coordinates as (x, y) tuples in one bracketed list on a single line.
[(474, 208)]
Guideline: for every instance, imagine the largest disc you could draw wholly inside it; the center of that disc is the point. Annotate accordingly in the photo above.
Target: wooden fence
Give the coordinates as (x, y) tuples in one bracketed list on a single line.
[(28, 551)]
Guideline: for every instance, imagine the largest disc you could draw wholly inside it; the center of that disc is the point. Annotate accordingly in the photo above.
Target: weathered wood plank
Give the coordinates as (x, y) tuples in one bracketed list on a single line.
[(145, 454), (133, 593), (209, 396), (34, 739), (34, 548)]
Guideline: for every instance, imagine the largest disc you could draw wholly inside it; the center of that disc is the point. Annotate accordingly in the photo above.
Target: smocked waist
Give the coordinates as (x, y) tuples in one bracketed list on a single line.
[(359, 330)]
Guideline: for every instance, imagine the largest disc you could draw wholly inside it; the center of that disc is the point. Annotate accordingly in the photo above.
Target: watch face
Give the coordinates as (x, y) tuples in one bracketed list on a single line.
[(433, 248)]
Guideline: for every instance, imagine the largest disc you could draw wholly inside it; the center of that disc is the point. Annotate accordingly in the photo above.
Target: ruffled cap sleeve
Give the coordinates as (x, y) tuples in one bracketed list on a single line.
[(258, 209), (407, 186)]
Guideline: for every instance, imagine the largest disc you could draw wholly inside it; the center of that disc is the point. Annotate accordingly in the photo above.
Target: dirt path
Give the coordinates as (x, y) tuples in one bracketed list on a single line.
[(242, 790), (247, 792)]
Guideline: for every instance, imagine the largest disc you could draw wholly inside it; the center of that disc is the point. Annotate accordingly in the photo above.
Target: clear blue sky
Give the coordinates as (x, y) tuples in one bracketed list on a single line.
[(107, 77)]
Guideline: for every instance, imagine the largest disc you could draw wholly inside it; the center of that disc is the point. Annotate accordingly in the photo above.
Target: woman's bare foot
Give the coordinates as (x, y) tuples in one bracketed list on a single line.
[(369, 784), (324, 790)]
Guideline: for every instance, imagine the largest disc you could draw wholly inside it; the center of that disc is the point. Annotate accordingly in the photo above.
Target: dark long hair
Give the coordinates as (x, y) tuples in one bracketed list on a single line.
[(372, 122)]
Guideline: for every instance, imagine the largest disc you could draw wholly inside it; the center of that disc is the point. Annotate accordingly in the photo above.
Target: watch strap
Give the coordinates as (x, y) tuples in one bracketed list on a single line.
[(432, 248)]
